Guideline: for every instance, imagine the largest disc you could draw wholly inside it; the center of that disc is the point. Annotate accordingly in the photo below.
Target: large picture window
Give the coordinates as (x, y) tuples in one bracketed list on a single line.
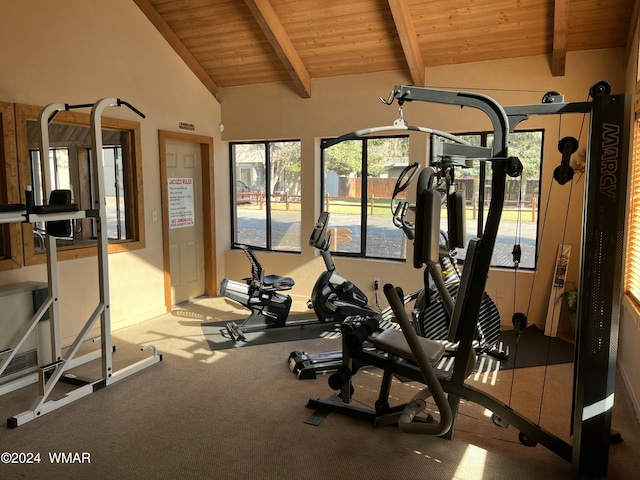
[(358, 177), (71, 168), (360, 213), (266, 194)]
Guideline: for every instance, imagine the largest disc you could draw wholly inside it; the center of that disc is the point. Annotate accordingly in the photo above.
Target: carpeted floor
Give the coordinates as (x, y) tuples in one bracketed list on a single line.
[(239, 413), (219, 338), (533, 349)]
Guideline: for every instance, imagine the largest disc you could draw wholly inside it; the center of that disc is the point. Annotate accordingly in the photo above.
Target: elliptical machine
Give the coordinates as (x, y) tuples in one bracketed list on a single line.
[(334, 299), (339, 300), (330, 286)]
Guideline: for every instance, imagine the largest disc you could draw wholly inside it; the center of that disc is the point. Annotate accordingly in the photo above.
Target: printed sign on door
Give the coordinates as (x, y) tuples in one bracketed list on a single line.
[(181, 209)]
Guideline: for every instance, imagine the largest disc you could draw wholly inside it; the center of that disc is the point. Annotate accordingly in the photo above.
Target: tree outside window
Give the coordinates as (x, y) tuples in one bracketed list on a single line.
[(358, 180)]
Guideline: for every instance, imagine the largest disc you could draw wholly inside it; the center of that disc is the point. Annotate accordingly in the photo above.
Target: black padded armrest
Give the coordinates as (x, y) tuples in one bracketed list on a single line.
[(44, 209)]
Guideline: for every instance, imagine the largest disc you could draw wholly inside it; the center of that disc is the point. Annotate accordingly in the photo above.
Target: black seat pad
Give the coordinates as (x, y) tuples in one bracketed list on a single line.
[(278, 282), (393, 341)]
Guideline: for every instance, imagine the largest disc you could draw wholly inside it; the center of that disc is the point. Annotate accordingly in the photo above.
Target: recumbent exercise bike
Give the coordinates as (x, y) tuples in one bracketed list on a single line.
[(261, 294)]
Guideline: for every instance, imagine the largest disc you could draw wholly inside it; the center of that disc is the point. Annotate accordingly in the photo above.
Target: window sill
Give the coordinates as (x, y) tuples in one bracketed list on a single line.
[(84, 252)]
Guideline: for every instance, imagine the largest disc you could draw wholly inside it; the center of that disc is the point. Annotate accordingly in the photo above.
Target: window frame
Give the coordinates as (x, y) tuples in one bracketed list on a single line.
[(632, 248), (268, 217), (363, 199), (134, 186)]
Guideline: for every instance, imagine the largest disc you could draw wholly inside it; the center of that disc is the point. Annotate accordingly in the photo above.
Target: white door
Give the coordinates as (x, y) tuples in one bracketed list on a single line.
[(186, 239)]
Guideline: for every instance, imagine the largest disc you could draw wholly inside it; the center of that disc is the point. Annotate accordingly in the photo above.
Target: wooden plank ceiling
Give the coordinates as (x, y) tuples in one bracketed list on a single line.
[(242, 42)]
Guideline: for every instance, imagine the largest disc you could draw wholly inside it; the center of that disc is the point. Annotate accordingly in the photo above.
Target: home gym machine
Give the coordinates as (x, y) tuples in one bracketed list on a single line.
[(600, 284), (58, 215), (434, 305)]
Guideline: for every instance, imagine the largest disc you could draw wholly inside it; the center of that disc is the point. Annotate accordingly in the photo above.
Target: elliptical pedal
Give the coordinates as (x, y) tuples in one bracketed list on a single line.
[(499, 351), (298, 359), (307, 366), (235, 332)]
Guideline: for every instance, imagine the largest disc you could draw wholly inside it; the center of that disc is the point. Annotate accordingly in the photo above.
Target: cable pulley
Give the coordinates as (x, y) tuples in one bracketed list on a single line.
[(517, 254), (513, 167), (519, 321), (564, 172), (552, 97), (599, 89)]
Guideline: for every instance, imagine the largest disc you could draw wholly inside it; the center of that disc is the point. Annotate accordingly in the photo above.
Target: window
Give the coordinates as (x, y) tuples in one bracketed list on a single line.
[(632, 264), (520, 214), (72, 169), (266, 195), (358, 177)]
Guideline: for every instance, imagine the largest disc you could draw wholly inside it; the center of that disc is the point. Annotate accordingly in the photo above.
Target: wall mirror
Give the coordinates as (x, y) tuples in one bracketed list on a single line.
[(71, 168)]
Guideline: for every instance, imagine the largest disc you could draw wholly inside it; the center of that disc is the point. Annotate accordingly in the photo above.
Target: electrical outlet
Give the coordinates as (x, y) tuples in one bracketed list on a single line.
[(376, 284)]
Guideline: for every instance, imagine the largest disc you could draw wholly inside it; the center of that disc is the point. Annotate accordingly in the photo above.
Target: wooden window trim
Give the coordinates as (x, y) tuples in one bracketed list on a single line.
[(632, 269), (134, 187), (9, 191), (638, 70)]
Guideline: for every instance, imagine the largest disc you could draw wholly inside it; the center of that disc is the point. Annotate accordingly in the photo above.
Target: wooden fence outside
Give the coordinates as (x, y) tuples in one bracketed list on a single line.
[(259, 198), (531, 206)]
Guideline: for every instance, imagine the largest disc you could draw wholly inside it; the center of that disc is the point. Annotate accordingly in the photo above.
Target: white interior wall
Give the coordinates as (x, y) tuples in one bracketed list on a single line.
[(78, 51)]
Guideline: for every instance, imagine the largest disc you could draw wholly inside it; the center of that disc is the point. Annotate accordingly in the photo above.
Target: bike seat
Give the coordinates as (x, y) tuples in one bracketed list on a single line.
[(393, 341), (277, 282), (266, 282)]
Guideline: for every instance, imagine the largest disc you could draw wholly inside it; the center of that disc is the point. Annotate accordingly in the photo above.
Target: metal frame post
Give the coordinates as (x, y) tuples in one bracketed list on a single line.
[(601, 270)]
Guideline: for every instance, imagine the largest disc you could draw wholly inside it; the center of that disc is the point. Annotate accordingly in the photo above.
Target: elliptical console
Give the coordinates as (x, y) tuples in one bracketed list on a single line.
[(330, 286)]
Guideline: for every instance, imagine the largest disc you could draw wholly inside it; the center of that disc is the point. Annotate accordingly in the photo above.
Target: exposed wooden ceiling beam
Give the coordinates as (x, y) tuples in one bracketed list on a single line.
[(173, 40), (560, 33), (408, 39), (281, 43)]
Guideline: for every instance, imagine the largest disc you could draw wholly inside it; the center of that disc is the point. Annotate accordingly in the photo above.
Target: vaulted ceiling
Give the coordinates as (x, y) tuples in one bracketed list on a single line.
[(243, 42)]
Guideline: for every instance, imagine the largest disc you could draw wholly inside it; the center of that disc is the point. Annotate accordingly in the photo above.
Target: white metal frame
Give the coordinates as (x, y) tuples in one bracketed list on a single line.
[(51, 374)]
